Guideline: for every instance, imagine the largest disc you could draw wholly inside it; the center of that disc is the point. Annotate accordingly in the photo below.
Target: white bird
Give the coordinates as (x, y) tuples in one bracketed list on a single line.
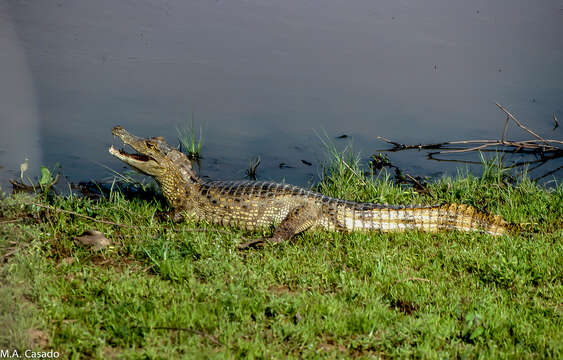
[(23, 167)]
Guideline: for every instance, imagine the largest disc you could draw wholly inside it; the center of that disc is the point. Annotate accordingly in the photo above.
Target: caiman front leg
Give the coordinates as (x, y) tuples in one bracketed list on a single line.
[(172, 215), (297, 220), (175, 214)]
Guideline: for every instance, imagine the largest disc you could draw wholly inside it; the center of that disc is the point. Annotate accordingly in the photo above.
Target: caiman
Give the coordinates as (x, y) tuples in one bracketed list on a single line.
[(257, 205)]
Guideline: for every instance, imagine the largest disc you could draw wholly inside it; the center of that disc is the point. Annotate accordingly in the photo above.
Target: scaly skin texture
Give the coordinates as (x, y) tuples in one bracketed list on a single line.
[(257, 205)]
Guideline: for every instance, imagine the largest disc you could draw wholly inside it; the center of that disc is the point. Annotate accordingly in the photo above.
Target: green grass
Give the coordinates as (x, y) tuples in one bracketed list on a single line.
[(166, 291), (191, 143), (252, 168)]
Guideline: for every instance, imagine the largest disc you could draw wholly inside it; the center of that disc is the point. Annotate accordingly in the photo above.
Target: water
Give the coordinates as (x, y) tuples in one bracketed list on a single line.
[(262, 77)]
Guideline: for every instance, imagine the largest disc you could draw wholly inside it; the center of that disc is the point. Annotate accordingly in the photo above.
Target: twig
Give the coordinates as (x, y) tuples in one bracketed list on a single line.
[(123, 225), (358, 176), (391, 142), (541, 161), (81, 215), (17, 248), (352, 170), (13, 251), (10, 221), (20, 186), (520, 125), (472, 141), (526, 144), (505, 127), (548, 140), (416, 182), (147, 268), (465, 150)]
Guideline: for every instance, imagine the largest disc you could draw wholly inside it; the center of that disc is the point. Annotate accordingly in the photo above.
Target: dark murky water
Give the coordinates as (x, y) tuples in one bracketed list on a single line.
[(262, 76)]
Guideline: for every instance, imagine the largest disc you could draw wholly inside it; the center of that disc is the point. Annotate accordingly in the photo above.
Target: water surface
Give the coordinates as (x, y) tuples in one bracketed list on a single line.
[(262, 76)]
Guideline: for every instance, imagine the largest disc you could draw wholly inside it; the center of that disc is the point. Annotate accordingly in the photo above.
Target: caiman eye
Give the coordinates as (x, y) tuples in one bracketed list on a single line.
[(153, 142)]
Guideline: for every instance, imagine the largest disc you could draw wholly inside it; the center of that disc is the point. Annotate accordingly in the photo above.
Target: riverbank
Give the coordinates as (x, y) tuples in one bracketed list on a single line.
[(164, 290)]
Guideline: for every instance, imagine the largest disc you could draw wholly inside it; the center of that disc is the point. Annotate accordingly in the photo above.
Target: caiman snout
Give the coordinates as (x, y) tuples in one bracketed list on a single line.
[(118, 130)]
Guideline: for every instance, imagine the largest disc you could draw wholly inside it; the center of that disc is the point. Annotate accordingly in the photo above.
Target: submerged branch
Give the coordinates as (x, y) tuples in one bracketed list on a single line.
[(539, 145), (544, 149), (509, 115)]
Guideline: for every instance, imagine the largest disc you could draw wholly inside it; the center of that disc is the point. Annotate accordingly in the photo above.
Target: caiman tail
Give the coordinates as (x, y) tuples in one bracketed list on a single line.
[(425, 218)]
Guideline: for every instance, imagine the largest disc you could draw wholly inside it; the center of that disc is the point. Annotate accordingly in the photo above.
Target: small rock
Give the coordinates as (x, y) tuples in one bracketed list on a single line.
[(94, 239)]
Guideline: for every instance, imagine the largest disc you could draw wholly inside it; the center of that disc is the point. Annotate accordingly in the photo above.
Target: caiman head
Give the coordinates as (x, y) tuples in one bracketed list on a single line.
[(171, 168)]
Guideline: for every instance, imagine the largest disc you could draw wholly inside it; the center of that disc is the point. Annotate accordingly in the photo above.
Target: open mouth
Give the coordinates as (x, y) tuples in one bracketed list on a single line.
[(136, 159), (129, 157), (123, 154)]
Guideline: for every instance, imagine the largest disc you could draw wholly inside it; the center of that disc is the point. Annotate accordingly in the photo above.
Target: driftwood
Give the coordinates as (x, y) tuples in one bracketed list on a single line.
[(537, 145), (544, 149)]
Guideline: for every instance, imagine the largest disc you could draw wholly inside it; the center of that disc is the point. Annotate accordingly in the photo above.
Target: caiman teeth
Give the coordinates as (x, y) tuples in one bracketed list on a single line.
[(135, 156)]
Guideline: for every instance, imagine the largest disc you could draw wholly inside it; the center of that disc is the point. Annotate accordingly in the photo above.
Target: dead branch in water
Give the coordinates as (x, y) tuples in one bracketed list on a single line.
[(539, 145)]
